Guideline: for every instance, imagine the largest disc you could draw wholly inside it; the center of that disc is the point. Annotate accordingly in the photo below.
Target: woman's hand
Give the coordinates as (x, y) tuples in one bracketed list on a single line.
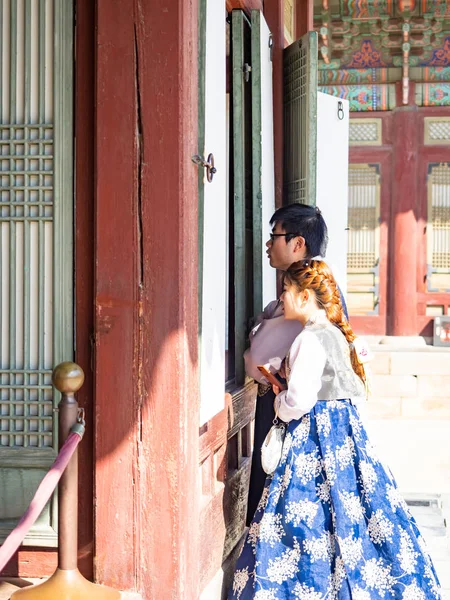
[(276, 390)]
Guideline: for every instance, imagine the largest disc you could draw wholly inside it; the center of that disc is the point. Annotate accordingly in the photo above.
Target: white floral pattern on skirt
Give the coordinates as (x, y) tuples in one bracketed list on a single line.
[(331, 524)]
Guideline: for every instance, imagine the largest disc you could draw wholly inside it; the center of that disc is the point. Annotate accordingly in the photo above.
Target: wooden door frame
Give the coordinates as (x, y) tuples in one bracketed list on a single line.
[(84, 265)]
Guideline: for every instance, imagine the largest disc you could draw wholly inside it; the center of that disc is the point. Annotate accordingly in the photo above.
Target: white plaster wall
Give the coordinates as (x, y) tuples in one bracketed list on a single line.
[(332, 180)]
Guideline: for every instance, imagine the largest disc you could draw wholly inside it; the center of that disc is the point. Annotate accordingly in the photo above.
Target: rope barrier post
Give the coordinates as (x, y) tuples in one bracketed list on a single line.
[(67, 583), (68, 379)]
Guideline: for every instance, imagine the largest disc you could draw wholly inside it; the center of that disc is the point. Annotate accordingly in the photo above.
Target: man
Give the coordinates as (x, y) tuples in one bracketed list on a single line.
[(299, 232)]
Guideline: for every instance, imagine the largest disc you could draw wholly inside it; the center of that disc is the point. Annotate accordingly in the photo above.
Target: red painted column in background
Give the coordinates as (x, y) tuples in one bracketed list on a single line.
[(403, 252)]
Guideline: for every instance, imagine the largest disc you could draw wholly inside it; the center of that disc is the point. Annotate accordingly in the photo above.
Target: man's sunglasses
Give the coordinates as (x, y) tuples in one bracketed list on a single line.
[(274, 235)]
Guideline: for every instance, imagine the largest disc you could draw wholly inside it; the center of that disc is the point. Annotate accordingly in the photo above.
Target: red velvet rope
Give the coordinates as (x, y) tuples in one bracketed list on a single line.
[(41, 497)]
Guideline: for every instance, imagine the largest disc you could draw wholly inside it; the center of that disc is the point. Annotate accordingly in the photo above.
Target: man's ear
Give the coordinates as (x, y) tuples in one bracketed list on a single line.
[(300, 243)]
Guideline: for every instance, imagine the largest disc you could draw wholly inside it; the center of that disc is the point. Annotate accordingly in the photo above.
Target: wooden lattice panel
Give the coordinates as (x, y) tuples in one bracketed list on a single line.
[(363, 213), (363, 239), (438, 230), (365, 132), (26, 227), (437, 130), (36, 262)]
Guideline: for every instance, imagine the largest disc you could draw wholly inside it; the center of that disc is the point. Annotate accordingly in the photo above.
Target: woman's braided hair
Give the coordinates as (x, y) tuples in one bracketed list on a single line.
[(316, 275)]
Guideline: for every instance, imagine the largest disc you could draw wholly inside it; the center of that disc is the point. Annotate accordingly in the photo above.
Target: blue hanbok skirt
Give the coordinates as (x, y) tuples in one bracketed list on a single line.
[(331, 524)]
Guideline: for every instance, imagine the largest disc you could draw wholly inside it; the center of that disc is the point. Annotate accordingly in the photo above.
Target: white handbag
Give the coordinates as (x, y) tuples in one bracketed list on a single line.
[(272, 448)]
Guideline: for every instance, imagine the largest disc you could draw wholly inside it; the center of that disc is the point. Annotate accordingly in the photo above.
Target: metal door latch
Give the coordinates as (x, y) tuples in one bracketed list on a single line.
[(208, 164)]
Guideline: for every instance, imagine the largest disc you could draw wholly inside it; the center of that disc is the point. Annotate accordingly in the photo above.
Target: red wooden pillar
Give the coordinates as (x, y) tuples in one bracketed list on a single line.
[(304, 17), (167, 92), (274, 15), (117, 260), (146, 337), (403, 256)]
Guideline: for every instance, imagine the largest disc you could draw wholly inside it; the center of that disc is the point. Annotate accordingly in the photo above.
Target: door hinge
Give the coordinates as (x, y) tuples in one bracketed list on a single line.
[(247, 70), (271, 47)]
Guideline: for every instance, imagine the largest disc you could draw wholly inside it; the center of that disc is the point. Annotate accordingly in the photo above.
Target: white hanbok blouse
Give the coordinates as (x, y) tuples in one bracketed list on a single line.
[(318, 368)]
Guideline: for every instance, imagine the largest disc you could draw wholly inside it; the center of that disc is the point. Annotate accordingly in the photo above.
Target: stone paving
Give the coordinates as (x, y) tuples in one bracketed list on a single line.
[(431, 513), (8, 586)]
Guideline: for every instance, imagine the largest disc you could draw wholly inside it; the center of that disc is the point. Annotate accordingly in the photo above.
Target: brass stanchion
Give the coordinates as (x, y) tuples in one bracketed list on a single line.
[(67, 583)]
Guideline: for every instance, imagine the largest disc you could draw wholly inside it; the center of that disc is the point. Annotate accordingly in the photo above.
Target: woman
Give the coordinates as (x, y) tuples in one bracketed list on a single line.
[(331, 523)]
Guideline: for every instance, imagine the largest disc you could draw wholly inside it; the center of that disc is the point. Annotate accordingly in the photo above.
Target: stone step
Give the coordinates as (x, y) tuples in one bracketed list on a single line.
[(429, 531), (409, 381), (431, 518), (434, 523), (429, 512), (403, 343), (443, 572), (425, 505), (411, 385), (439, 553), (413, 361)]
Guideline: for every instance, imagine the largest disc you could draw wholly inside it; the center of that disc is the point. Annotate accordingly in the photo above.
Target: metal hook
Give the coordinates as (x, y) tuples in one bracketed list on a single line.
[(81, 416), (208, 164)]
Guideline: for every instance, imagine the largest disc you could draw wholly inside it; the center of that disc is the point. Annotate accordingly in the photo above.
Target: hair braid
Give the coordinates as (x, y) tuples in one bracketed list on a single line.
[(317, 276)]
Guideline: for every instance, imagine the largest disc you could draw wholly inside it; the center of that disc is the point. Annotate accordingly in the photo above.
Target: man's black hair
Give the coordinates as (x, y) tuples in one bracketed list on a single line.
[(306, 221)]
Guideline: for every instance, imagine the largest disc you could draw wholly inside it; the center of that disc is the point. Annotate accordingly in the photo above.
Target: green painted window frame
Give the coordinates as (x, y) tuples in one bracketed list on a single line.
[(300, 161), (257, 191), (241, 197)]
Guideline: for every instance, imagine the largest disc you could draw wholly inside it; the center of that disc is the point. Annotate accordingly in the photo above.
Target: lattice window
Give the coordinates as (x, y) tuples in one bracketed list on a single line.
[(363, 213), (363, 240), (36, 225), (437, 130), (365, 132), (300, 120), (26, 229), (26, 209), (438, 229)]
